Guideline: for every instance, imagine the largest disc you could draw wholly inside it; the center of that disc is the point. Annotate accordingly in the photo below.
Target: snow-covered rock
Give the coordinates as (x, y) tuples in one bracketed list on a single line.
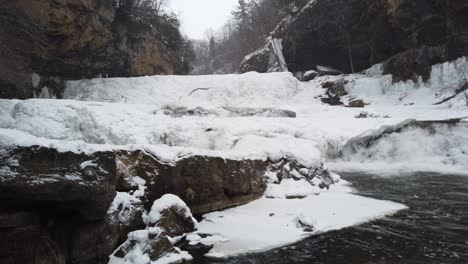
[(168, 218)]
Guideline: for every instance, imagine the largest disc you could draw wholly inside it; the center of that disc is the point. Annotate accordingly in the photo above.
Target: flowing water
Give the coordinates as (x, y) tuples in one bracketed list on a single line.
[(433, 230)]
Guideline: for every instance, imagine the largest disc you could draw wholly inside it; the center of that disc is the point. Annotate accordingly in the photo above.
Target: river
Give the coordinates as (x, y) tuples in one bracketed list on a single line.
[(434, 230)]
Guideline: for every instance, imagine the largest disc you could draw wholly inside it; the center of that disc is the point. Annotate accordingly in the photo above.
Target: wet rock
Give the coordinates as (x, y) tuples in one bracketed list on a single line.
[(174, 223), (257, 61), (356, 103)]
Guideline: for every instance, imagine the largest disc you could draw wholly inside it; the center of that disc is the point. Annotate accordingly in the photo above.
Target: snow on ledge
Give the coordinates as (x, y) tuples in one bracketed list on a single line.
[(271, 223)]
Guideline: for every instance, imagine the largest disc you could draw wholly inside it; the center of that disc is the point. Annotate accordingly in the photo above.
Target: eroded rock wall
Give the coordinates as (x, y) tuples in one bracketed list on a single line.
[(56, 206), (44, 42), (352, 35)]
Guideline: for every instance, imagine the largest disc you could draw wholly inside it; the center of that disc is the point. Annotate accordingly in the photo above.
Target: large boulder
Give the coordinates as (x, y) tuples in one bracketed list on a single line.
[(257, 61), (54, 206), (44, 42), (35, 177), (205, 183)]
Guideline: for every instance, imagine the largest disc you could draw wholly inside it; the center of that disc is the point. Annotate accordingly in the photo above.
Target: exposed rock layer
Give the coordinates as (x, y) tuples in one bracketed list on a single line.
[(205, 183)]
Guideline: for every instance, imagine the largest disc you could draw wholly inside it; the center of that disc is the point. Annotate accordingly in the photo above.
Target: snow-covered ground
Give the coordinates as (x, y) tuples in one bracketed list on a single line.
[(135, 113)]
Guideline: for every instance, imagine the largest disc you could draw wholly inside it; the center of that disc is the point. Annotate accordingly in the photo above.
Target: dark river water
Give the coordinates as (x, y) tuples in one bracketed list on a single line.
[(433, 230)]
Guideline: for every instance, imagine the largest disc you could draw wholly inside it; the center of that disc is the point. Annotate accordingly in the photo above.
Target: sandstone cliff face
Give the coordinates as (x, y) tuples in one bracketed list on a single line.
[(43, 42), (352, 35)]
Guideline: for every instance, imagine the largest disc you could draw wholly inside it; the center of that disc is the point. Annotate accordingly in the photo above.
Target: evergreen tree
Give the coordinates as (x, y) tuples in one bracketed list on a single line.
[(241, 14)]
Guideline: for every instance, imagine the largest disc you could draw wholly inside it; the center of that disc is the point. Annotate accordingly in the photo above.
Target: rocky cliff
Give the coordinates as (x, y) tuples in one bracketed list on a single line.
[(44, 42), (56, 206), (352, 35), (76, 208)]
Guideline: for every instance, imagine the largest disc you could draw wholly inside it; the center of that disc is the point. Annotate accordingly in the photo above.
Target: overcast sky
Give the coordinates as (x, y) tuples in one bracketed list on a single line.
[(199, 15)]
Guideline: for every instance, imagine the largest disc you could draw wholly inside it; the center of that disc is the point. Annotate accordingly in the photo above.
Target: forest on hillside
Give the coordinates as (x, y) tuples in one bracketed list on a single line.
[(251, 23), (220, 51)]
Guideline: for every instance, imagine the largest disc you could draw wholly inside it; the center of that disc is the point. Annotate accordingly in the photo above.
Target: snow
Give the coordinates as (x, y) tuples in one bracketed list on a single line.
[(178, 257), (165, 202), (221, 90), (88, 163), (291, 188), (269, 223)]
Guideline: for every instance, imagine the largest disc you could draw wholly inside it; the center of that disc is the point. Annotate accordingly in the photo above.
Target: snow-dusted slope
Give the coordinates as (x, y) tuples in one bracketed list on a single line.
[(130, 113), (213, 90)]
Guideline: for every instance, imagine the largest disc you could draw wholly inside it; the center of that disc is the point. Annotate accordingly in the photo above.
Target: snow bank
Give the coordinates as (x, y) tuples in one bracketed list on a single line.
[(271, 89), (269, 223), (290, 188), (227, 90)]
